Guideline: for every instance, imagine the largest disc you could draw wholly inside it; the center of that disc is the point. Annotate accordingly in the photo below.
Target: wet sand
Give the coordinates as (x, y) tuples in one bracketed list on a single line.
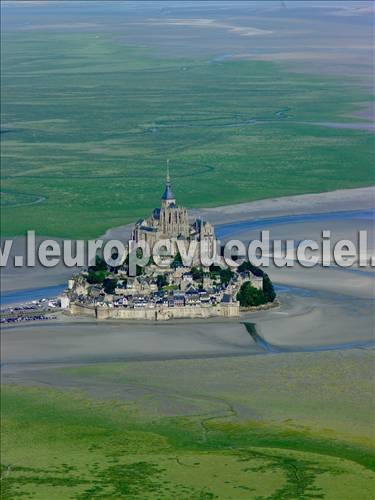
[(305, 320), (325, 320), (318, 376), (24, 278), (88, 341), (319, 306)]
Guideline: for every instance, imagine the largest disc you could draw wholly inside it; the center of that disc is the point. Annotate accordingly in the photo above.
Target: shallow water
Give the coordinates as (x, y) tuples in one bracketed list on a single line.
[(222, 230), (23, 296)]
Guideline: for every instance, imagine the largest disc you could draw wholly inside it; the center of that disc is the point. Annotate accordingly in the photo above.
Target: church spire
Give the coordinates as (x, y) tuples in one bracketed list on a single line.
[(168, 197), (168, 176)]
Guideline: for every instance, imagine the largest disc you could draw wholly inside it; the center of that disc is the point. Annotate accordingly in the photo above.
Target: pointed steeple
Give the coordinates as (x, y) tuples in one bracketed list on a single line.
[(168, 176), (168, 196)]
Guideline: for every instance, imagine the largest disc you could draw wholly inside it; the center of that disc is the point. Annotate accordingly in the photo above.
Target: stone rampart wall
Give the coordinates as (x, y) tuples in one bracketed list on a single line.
[(157, 314)]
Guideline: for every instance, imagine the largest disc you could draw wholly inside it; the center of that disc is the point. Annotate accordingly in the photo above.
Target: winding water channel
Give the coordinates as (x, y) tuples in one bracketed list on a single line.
[(268, 347)]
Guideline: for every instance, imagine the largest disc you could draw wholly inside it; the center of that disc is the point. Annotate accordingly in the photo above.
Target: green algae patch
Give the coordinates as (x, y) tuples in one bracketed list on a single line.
[(62, 445)]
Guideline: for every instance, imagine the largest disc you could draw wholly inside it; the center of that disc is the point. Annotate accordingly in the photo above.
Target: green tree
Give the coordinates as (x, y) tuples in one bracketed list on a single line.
[(226, 275), (268, 289), (248, 266), (100, 264), (161, 281), (214, 269), (248, 296), (197, 273), (96, 276), (177, 261), (109, 285)]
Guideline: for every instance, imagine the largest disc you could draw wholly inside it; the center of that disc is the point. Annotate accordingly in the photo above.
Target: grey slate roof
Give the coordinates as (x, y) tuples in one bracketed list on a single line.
[(168, 195)]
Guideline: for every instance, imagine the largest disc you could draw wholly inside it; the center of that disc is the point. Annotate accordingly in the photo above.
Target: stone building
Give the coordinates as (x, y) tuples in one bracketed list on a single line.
[(171, 221)]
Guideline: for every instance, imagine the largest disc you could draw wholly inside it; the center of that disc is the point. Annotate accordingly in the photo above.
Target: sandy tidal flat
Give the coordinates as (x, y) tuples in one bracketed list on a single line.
[(192, 409)]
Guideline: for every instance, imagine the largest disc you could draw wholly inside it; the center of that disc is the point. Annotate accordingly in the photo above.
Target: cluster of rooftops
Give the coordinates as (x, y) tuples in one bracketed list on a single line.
[(177, 288)]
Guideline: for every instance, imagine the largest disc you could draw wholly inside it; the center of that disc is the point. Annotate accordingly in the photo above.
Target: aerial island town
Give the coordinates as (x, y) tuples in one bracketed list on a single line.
[(177, 291)]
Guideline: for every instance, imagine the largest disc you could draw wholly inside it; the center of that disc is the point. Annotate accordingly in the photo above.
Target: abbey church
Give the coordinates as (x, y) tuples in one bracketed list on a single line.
[(171, 222), (173, 291)]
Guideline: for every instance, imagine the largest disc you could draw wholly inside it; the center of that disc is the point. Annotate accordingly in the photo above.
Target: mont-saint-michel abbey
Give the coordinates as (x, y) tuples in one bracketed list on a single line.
[(199, 328), (171, 222), (161, 293)]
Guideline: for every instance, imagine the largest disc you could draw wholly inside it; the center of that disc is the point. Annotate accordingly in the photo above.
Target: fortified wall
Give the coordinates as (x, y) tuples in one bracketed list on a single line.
[(231, 309)]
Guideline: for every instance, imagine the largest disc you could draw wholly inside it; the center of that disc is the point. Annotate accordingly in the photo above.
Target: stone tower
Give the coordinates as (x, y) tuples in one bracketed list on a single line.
[(171, 222), (174, 221)]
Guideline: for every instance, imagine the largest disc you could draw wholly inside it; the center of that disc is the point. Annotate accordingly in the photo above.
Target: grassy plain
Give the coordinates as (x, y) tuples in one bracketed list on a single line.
[(265, 428), (87, 124)]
